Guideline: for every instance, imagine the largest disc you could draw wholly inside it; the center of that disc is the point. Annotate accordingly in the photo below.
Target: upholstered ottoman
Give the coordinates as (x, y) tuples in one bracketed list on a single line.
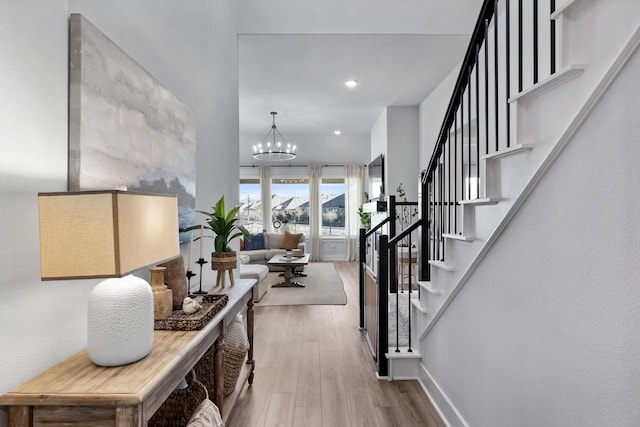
[(258, 272)]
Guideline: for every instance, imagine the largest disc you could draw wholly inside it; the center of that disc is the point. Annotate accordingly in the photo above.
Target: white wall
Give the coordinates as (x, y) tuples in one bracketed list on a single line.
[(546, 330), (357, 17), (402, 150), (191, 47), (41, 324), (431, 115), (396, 135)]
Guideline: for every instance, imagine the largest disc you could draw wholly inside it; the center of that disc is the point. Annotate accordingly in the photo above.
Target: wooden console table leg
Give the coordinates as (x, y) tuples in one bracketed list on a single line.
[(20, 416), (128, 416), (218, 374), (250, 321)]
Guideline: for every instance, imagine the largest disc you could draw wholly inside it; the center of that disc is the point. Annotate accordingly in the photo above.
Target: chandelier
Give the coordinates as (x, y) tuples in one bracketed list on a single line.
[(276, 148)]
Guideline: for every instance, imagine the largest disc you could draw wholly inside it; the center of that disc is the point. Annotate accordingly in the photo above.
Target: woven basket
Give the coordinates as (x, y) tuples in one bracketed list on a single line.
[(180, 405), (224, 261), (236, 345), (233, 361), (204, 369)]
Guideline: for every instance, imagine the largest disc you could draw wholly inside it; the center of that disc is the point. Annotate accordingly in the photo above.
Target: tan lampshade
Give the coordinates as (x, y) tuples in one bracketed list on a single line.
[(105, 233)]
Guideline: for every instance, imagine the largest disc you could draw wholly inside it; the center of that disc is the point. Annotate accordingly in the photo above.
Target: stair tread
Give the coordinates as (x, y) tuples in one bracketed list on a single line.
[(514, 149), (403, 354), (479, 202), (565, 8), (416, 303), (458, 237), (428, 287), (441, 265), (561, 76)]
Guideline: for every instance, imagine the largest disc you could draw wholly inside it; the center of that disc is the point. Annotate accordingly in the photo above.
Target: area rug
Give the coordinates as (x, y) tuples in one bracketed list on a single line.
[(323, 286)]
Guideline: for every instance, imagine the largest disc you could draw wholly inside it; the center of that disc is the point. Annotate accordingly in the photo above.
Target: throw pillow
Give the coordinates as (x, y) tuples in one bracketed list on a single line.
[(257, 241), (247, 244), (290, 241)]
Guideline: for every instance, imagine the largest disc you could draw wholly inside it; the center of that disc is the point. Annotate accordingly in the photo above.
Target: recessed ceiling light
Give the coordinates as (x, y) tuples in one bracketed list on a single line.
[(351, 83), (337, 132)]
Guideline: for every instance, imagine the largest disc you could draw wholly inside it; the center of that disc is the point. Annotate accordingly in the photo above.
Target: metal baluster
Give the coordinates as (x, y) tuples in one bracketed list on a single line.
[(462, 142), (520, 46), (478, 120), (486, 85), (395, 248), (495, 65), (469, 129), (455, 164), (553, 38), (508, 70), (535, 41), (442, 208), (449, 182), (409, 299)]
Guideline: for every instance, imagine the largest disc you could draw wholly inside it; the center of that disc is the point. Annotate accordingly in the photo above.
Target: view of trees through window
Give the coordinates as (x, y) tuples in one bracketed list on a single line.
[(290, 205)]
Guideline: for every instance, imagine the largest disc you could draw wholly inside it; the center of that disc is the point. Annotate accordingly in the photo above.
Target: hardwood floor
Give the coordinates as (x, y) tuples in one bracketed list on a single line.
[(313, 369)]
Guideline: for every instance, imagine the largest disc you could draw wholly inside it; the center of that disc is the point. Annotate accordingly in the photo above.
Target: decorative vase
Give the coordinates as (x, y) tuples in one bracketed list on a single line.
[(162, 297), (176, 280), (120, 321)]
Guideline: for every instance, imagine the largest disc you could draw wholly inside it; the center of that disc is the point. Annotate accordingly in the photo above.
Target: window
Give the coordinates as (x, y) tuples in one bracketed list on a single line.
[(290, 204), (332, 193), (250, 207)]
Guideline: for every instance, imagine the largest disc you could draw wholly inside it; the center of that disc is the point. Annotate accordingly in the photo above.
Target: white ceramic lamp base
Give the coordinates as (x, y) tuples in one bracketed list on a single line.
[(120, 321)]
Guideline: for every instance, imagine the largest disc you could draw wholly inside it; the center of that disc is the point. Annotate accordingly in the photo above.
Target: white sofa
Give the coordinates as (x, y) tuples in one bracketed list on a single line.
[(272, 243), (258, 272)]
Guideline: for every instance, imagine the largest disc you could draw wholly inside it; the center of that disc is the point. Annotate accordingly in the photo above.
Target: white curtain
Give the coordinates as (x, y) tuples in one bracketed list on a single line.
[(265, 197), (354, 180), (315, 217)]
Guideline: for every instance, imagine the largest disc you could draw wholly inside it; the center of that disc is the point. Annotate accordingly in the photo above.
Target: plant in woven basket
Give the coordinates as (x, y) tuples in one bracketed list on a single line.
[(225, 228)]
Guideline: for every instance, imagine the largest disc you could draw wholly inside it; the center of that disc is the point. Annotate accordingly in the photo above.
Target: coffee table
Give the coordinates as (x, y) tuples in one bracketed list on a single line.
[(289, 265)]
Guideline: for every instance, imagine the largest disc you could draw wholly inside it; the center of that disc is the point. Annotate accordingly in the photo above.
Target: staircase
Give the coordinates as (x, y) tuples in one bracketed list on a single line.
[(532, 77)]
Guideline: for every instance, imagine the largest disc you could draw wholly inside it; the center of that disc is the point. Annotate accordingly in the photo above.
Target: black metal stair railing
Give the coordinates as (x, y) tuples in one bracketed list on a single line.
[(387, 280), (479, 114), (478, 119)]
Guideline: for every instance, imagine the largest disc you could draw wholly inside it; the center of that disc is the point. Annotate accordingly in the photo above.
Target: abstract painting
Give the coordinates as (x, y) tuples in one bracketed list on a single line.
[(125, 128)]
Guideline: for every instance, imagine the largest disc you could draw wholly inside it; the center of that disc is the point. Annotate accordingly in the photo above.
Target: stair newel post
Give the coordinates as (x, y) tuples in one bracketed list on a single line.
[(383, 306), (409, 299), (424, 271), (362, 249), (393, 255)]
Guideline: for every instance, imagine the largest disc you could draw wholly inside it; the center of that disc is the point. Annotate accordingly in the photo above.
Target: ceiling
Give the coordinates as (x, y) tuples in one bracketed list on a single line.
[(302, 78)]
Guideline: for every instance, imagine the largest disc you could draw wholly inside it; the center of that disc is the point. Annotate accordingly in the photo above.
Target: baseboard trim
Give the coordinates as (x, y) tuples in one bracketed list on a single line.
[(445, 408)]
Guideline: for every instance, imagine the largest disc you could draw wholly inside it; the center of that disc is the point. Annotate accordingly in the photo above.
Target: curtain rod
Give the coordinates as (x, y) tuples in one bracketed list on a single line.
[(294, 166)]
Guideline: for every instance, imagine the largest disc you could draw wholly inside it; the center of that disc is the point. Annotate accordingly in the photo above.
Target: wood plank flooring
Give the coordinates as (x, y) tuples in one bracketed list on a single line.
[(313, 370)]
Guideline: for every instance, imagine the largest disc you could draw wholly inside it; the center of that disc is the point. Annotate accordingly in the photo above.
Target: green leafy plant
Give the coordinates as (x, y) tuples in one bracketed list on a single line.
[(365, 217), (223, 225), (405, 215)]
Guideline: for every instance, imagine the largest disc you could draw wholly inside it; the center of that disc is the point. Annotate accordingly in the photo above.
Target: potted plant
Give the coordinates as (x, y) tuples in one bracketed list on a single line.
[(223, 225)]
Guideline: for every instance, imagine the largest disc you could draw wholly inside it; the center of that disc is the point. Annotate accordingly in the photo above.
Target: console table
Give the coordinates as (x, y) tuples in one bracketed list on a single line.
[(78, 392)]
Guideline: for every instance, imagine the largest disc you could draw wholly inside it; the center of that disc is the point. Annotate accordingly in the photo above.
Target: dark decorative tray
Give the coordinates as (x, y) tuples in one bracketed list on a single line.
[(180, 321)]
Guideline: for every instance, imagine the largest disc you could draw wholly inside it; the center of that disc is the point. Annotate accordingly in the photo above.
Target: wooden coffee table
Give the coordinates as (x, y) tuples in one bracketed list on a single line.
[(289, 265)]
